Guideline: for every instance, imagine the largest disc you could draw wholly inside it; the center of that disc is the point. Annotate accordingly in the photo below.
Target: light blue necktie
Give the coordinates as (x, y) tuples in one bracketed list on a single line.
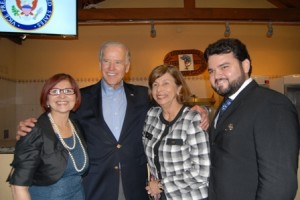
[(224, 106)]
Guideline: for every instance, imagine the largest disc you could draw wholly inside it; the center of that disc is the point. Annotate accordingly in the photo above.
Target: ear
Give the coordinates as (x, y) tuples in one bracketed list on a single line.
[(127, 67), (246, 66), (179, 90)]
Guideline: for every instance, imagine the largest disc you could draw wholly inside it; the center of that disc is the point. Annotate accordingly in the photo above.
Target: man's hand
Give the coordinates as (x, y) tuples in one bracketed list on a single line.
[(25, 127), (204, 124)]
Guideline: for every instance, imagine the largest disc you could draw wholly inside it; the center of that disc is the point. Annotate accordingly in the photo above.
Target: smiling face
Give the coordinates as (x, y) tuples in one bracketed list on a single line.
[(61, 103), (114, 65), (165, 91), (226, 73)]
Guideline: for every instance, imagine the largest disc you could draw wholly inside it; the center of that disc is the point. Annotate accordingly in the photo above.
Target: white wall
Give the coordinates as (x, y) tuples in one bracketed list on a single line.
[(5, 192)]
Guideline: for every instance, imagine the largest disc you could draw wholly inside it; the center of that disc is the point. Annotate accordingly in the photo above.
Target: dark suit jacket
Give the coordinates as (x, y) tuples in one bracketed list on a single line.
[(254, 148), (40, 158), (105, 152)]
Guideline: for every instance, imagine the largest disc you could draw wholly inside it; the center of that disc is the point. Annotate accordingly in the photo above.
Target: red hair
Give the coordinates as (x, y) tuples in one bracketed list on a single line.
[(51, 82)]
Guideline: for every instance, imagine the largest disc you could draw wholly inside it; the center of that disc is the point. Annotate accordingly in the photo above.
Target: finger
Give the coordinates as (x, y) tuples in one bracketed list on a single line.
[(22, 131), (204, 124), (28, 122)]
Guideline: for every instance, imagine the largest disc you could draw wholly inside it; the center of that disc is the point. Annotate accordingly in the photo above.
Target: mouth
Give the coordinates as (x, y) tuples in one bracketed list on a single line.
[(159, 97), (62, 102), (220, 82), (111, 74)]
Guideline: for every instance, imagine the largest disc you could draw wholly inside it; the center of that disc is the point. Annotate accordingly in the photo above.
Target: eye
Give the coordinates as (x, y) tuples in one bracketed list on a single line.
[(104, 61), (166, 83), (210, 71), (69, 91), (223, 67), (54, 91)]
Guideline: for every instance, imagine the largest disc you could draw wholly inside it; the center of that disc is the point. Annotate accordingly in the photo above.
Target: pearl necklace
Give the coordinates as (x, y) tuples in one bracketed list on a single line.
[(57, 131)]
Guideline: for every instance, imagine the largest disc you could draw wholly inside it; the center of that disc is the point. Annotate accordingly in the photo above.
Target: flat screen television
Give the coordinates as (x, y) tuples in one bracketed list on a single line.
[(38, 17)]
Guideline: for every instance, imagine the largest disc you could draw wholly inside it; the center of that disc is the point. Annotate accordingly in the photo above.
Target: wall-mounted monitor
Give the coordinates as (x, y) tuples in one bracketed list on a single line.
[(38, 17)]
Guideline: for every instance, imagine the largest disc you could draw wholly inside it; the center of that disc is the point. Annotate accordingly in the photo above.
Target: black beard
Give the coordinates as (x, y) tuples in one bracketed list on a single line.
[(232, 87)]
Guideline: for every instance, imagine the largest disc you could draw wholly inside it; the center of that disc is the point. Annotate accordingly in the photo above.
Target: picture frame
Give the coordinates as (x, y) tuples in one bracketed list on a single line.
[(189, 61)]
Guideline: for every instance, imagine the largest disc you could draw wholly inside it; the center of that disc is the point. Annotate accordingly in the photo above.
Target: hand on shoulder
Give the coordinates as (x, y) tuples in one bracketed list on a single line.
[(204, 124), (25, 127)]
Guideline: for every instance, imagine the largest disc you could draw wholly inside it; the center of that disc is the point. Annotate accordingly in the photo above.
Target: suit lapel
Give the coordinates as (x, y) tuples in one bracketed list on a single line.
[(97, 108), (238, 101), (131, 99)]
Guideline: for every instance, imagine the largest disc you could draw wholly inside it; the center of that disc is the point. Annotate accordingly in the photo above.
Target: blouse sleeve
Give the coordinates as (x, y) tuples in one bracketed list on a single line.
[(26, 158)]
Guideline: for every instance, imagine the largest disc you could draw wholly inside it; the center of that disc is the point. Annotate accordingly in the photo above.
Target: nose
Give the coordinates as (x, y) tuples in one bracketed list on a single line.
[(62, 94), (159, 88), (111, 66), (216, 73)]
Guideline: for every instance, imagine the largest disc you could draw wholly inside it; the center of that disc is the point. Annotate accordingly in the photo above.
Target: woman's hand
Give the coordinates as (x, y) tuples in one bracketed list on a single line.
[(154, 187)]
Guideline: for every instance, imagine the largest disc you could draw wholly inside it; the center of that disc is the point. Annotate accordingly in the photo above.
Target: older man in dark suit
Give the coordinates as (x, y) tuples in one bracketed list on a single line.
[(255, 141), (112, 114)]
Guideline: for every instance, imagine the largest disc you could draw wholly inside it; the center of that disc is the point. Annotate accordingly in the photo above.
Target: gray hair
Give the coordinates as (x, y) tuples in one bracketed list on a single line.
[(115, 43)]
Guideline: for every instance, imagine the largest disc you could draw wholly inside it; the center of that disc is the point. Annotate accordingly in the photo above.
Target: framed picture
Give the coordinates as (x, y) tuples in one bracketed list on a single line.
[(189, 61)]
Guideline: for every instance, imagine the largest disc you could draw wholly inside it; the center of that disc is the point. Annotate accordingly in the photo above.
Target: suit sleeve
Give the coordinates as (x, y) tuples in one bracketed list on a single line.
[(276, 133), (26, 158)]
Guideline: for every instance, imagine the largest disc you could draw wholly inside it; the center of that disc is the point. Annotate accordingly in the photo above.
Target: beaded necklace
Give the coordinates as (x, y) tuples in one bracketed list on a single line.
[(74, 135)]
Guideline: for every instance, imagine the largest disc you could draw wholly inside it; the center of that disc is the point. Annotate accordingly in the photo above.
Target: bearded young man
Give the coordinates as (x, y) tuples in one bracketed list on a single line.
[(255, 142)]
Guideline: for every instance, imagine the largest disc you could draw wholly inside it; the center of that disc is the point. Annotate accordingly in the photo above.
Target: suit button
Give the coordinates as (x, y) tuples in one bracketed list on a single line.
[(119, 146), (116, 167)]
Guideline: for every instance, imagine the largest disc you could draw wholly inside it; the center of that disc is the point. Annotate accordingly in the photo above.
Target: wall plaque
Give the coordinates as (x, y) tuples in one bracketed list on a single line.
[(189, 61)]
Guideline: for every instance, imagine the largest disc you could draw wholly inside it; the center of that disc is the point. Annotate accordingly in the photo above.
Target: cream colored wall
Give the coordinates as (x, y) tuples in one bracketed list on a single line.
[(7, 58), (7, 87), (38, 59), (5, 191)]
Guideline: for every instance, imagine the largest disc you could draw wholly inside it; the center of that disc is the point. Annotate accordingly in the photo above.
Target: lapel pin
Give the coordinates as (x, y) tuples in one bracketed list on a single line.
[(230, 127)]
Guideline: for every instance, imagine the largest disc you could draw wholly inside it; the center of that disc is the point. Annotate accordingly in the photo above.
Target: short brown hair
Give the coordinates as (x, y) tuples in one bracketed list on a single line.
[(51, 82), (176, 74)]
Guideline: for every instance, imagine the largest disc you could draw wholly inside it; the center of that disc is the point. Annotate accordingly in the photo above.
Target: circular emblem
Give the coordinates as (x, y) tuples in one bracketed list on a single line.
[(27, 14)]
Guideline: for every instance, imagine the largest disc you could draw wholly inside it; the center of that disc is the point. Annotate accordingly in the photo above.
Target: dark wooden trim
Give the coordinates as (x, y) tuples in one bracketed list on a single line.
[(205, 14), (189, 4)]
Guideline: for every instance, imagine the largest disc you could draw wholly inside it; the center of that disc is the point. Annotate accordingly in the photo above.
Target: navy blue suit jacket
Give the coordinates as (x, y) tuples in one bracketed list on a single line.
[(254, 148), (105, 152)]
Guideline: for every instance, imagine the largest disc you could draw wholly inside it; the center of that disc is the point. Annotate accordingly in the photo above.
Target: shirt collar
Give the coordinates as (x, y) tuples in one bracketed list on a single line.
[(107, 89), (241, 88)]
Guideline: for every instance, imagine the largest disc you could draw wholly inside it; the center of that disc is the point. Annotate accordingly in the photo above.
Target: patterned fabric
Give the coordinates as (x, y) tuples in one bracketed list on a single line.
[(183, 153)]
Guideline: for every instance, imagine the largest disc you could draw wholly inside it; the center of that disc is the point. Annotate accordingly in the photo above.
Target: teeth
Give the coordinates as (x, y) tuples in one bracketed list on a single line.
[(160, 96), (219, 82), (62, 102)]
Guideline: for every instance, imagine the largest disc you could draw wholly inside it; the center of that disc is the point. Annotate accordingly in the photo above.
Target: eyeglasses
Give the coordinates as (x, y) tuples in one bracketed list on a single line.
[(57, 91)]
